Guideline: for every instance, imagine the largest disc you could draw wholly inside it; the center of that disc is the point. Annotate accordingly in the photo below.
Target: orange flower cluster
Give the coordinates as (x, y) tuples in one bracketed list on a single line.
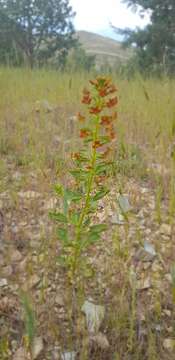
[(97, 105), (95, 110), (103, 86), (84, 133), (112, 102), (106, 120)]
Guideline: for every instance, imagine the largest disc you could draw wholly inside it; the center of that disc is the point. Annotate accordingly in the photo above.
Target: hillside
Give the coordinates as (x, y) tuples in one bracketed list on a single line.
[(106, 50)]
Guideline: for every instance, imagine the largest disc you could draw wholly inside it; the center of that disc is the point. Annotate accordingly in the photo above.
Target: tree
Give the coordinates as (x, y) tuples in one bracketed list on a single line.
[(38, 28), (78, 60), (155, 44)]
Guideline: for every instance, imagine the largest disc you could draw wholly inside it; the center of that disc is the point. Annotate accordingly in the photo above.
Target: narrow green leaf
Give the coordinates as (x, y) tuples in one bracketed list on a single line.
[(92, 237), (58, 217), (100, 194), (61, 260), (98, 228), (62, 234), (100, 169), (74, 218), (78, 174), (73, 195), (29, 317)]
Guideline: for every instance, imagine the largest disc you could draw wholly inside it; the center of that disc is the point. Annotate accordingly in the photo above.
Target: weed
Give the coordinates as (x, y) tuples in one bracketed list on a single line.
[(91, 165), (29, 320)]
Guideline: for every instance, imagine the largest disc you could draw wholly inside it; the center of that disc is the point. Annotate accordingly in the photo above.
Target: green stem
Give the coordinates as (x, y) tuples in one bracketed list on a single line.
[(86, 206)]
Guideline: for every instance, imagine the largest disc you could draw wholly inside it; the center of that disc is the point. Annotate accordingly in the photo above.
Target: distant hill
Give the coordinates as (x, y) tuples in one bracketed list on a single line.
[(106, 49)]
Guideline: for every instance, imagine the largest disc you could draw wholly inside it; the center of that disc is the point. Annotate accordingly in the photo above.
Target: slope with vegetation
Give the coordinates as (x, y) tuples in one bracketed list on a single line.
[(106, 50)]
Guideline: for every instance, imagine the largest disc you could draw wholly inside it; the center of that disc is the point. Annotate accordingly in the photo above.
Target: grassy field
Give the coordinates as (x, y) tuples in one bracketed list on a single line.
[(133, 277)]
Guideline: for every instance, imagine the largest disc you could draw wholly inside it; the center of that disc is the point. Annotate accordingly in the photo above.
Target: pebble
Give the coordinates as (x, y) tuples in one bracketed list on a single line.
[(7, 270), (101, 341), (169, 344), (165, 229), (34, 281), (16, 256), (3, 282), (143, 284), (37, 347), (20, 354), (59, 300), (29, 194)]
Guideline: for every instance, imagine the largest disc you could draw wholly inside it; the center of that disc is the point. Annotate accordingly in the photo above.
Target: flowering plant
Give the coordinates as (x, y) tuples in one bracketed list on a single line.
[(91, 167)]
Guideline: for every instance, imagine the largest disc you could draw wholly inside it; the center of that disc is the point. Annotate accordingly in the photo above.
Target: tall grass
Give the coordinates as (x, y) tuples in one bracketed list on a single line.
[(37, 133)]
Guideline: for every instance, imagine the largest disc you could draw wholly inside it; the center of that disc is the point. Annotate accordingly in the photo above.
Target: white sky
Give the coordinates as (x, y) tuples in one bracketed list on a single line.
[(95, 15)]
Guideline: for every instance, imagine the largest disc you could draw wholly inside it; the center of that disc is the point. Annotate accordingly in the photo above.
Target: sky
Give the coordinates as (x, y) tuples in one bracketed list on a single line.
[(96, 15)]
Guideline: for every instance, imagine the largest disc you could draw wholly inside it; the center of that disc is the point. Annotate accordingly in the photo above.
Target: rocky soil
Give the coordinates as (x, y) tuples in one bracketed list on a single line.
[(135, 255)]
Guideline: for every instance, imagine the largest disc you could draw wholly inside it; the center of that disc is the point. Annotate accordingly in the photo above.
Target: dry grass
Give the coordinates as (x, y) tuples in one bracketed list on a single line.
[(38, 132)]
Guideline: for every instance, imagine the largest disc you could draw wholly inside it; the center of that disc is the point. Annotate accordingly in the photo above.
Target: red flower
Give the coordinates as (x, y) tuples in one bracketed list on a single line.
[(112, 102), (84, 133), (86, 99), (112, 89), (103, 86), (106, 120), (97, 144), (106, 90), (95, 110), (94, 82)]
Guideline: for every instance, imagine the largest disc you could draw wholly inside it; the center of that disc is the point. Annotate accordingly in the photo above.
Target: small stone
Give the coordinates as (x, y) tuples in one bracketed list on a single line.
[(37, 347), (144, 190), (117, 219), (169, 344), (168, 277), (3, 282), (16, 256), (101, 341), (29, 194), (17, 176), (149, 248), (170, 329), (94, 316), (59, 300), (33, 281), (68, 355), (147, 265), (22, 265), (20, 354), (143, 284), (50, 204), (167, 313), (7, 270), (165, 229)]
